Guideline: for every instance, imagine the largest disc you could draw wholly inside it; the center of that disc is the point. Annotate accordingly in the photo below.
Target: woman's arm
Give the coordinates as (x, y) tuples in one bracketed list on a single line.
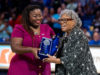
[(16, 45), (52, 59), (77, 51)]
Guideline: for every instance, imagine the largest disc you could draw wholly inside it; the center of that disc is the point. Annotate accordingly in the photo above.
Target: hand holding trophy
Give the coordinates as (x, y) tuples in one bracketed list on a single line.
[(48, 46)]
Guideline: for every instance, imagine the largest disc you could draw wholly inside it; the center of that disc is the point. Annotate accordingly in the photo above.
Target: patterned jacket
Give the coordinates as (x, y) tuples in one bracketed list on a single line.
[(75, 55)]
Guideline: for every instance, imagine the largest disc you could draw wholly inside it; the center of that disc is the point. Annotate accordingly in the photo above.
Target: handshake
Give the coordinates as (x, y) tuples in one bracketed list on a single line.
[(48, 46)]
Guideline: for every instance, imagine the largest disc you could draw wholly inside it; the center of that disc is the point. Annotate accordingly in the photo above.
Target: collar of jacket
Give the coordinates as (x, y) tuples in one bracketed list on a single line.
[(73, 34)]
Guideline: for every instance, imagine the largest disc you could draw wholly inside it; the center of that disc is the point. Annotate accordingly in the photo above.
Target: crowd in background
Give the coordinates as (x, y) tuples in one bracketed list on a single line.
[(88, 11)]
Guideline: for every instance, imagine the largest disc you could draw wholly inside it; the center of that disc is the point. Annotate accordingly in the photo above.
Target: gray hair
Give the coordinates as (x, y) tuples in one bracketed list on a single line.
[(73, 15)]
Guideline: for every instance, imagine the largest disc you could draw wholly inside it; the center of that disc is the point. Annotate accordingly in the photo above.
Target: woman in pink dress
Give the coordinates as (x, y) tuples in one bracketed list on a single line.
[(25, 42)]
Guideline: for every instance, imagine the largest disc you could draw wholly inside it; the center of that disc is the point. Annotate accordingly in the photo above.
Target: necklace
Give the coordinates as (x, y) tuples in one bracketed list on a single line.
[(35, 33)]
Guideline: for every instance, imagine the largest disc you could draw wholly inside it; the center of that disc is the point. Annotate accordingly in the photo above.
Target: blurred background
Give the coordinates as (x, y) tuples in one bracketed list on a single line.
[(88, 11)]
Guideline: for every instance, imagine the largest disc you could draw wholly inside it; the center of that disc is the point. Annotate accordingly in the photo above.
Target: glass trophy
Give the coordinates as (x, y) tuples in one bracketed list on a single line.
[(48, 46), (45, 47), (54, 46)]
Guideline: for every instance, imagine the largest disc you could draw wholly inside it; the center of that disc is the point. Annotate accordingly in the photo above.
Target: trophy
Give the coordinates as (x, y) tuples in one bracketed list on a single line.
[(45, 47), (48, 46), (54, 46)]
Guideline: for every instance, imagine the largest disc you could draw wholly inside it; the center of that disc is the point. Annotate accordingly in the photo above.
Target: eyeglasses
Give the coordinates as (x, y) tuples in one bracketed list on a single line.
[(65, 19)]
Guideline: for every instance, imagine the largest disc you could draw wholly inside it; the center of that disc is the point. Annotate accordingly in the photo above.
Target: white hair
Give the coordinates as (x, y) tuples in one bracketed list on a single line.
[(73, 15)]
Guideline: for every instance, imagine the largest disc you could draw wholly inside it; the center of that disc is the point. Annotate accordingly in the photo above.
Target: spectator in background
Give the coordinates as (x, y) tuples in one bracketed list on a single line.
[(63, 6), (47, 3), (56, 25), (96, 21), (51, 13), (96, 39), (91, 30), (92, 4), (12, 20), (1, 30), (45, 15), (88, 12), (0, 21), (56, 4), (66, 1), (87, 34), (72, 5), (2, 16), (79, 10), (88, 16), (18, 19), (84, 2), (5, 31)]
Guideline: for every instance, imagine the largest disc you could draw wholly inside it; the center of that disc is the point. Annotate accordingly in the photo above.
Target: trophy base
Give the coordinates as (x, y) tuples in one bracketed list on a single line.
[(42, 56)]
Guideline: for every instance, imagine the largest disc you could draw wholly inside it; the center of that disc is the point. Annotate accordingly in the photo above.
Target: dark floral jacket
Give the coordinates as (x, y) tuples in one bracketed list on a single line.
[(75, 55)]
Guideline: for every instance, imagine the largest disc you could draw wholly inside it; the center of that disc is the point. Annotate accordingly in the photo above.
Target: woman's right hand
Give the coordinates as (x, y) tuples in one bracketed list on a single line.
[(35, 52)]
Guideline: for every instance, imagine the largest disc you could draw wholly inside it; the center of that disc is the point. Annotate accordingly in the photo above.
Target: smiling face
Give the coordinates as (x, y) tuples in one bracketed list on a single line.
[(67, 23), (35, 17)]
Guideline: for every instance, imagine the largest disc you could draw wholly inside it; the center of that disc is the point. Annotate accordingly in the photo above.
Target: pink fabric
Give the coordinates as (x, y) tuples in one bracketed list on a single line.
[(26, 64)]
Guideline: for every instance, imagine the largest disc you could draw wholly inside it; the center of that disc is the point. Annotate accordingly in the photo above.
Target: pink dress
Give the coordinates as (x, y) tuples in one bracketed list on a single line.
[(26, 64)]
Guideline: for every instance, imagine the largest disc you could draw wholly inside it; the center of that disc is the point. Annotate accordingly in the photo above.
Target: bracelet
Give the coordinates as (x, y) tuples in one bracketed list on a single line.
[(62, 62)]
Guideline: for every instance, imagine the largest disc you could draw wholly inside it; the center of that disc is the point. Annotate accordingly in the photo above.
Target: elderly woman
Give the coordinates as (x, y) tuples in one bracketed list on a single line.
[(73, 56)]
